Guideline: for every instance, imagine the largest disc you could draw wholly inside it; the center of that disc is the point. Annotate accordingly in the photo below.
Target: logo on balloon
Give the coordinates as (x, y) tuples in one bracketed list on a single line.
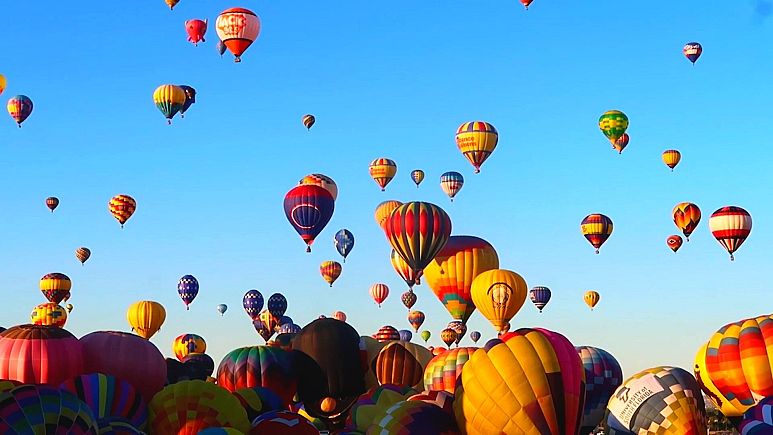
[(307, 213), (499, 292)]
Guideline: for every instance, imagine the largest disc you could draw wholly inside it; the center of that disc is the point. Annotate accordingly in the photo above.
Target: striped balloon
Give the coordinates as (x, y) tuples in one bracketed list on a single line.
[(540, 296), (383, 210), (308, 121), (387, 333), (417, 175), (416, 319), (448, 336), (382, 170), (406, 273), (82, 254), (730, 226), (613, 123), (686, 216), (109, 397), (308, 208), (379, 293), (417, 231), (322, 181), (56, 287), (596, 228), (169, 99), (671, 158), (451, 183), (259, 366), (591, 298), (602, 377), (476, 140), (122, 207), (443, 370), (20, 108), (41, 409), (758, 420), (330, 271)]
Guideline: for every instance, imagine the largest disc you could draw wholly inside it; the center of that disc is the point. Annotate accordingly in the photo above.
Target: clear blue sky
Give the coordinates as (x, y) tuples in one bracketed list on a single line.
[(389, 79)]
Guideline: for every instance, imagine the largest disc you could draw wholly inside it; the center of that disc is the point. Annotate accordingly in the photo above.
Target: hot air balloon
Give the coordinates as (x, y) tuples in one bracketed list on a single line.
[(476, 140), (526, 3), (187, 344), (277, 305), (146, 318), (259, 366), (475, 336), (384, 210), (692, 51), (20, 108), (499, 294), (534, 377), (308, 208), (687, 216), (540, 296), (55, 286), (460, 328), (109, 398), (758, 420), (188, 407), (238, 28), (448, 336), (169, 99), (69, 308), (196, 30), (82, 254), (190, 98), (379, 293), (613, 123), (602, 377), (416, 319), (408, 299), (171, 3), (417, 175), (382, 171), (374, 403), (451, 183), (283, 422), (451, 273), (253, 303), (671, 158), (674, 242), (344, 242), (404, 270), (731, 226), (330, 271), (322, 181), (339, 315), (442, 372), (621, 143), (417, 231), (405, 335), (122, 207), (662, 400), (49, 314), (222, 308), (3, 83), (591, 298), (52, 202), (188, 288), (34, 354), (258, 400), (41, 409), (596, 228), (220, 47), (425, 335), (308, 121), (387, 333)]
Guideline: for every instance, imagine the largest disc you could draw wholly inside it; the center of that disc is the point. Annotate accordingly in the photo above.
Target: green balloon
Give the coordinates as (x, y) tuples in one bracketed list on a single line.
[(425, 335), (613, 124)]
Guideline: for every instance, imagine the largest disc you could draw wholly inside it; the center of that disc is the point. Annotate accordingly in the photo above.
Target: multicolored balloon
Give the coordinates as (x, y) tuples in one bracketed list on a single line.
[(122, 207), (671, 158), (674, 242), (499, 294), (322, 181), (731, 226), (49, 314), (110, 398), (190, 98), (188, 288), (20, 108), (758, 420), (417, 231), (460, 328), (387, 333), (591, 298), (308, 209), (443, 371), (238, 28), (475, 336), (203, 405), (146, 318), (409, 299), (692, 51), (169, 99), (196, 29), (52, 203), (451, 183), (476, 140), (379, 293), (417, 175), (382, 170), (416, 319), (384, 210), (686, 216), (596, 228), (602, 377), (187, 344), (540, 296), (330, 271), (448, 336), (253, 303), (55, 287), (82, 254), (613, 123), (308, 121), (344, 242), (404, 270), (43, 409), (621, 143)]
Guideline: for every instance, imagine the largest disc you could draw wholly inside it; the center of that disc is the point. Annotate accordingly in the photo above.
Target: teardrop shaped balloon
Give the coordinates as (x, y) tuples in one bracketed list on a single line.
[(169, 99), (674, 242), (188, 288), (417, 175), (322, 181), (146, 318), (406, 273), (382, 170), (591, 298), (344, 242), (596, 228), (20, 108), (122, 207), (540, 296), (238, 28), (451, 183), (686, 216), (55, 287), (52, 203), (499, 294), (692, 51), (416, 319), (49, 314), (731, 227), (222, 308), (475, 336), (448, 336), (308, 208), (277, 305), (613, 123), (171, 3), (252, 303), (671, 158), (330, 271), (417, 231), (69, 308), (384, 210), (425, 335), (308, 121), (82, 254), (621, 143), (476, 140), (379, 293), (409, 299)]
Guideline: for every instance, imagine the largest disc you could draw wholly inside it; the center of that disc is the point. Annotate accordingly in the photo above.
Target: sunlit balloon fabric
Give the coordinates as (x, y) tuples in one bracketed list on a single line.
[(417, 231), (186, 407), (186, 344), (109, 398), (82, 254), (536, 380), (602, 377), (443, 371), (196, 29), (596, 228), (451, 183), (309, 209), (383, 210), (41, 409), (171, 3), (169, 99), (613, 123), (55, 287), (591, 298), (448, 336), (3, 83), (671, 158), (404, 270), (731, 226), (379, 293), (238, 28), (540, 296), (387, 333), (686, 216), (20, 108), (526, 3), (322, 181), (382, 170), (758, 420), (692, 51), (146, 318), (674, 242), (49, 314), (34, 354), (330, 271), (476, 140), (451, 273), (122, 207), (308, 121), (416, 319), (499, 294), (417, 175), (661, 400)]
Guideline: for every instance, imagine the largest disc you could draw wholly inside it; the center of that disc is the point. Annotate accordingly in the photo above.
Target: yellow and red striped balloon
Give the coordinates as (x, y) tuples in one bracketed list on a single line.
[(671, 158), (379, 293), (731, 226), (330, 271), (122, 207), (49, 314), (406, 273), (383, 211), (417, 231), (591, 298), (382, 171), (596, 228), (477, 140), (687, 216)]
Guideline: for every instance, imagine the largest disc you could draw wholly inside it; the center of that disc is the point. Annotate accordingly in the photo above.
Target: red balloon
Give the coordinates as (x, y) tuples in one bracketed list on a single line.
[(128, 357), (37, 354), (196, 30)]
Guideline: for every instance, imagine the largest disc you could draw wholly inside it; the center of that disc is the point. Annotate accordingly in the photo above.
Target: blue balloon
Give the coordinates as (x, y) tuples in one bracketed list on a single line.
[(405, 335), (344, 242), (475, 336), (222, 308), (285, 320), (289, 328), (277, 305), (540, 296), (188, 288), (253, 303), (221, 47)]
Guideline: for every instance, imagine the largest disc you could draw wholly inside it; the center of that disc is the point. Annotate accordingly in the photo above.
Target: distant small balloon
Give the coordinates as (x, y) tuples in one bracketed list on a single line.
[(20, 108), (196, 30), (308, 121), (417, 175), (222, 308), (475, 336), (82, 254), (69, 308), (692, 51), (52, 203), (674, 242), (621, 143), (221, 48)]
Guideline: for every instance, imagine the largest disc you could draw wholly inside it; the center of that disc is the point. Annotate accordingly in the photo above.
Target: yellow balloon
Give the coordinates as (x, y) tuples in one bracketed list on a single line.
[(3, 83), (384, 209), (592, 298), (499, 294), (146, 318), (728, 408), (671, 158)]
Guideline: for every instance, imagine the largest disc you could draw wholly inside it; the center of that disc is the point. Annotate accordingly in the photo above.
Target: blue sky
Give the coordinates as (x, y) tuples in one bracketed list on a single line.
[(389, 80)]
